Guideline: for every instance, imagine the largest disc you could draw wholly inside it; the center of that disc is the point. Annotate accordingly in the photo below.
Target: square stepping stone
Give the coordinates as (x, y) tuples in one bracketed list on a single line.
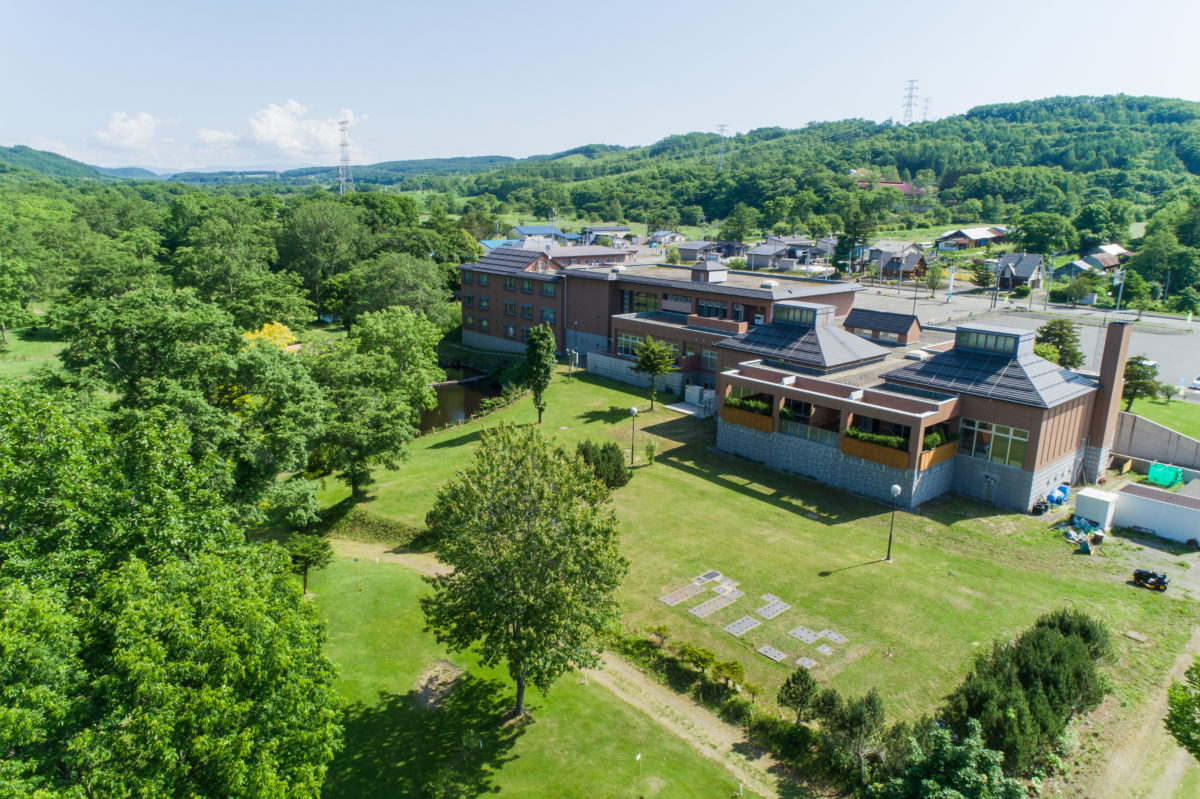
[(772, 610), (741, 626), (804, 634), (771, 652), (678, 595), (832, 636), (769, 597), (711, 606), (825, 649), (807, 663), (704, 578)]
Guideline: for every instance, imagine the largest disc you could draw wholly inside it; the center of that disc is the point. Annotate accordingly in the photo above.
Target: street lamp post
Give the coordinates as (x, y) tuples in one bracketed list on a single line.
[(632, 433), (895, 496)]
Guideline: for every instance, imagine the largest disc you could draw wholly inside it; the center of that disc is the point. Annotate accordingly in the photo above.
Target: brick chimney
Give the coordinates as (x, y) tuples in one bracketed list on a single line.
[(1108, 399)]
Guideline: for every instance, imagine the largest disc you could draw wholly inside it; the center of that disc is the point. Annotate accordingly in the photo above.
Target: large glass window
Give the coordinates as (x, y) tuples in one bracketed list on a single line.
[(510, 309), (468, 277), (987, 342), (510, 331), (627, 344), (708, 359), (711, 309), (638, 301), (468, 321), (548, 315), (797, 316), (993, 442), (526, 311), (483, 326), (527, 286), (510, 283), (483, 303), (483, 279), (468, 301), (548, 289)]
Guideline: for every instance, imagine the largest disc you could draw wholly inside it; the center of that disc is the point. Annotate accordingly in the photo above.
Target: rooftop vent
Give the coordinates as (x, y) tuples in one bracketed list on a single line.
[(618, 269), (769, 284)]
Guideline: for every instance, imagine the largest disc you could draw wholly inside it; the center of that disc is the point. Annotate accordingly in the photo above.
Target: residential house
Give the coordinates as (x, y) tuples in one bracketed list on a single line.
[(614, 232), (491, 244), (883, 326), (1075, 269), (594, 255), (550, 232), (971, 238), (889, 247), (731, 249), (1102, 261), (1111, 249), (699, 251), (769, 256), (665, 238), (911, 266), (1020, 269)]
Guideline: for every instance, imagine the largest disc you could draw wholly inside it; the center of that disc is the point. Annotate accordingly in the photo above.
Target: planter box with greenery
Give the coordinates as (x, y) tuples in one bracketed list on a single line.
[(751, 419), (758, 406), (863, 445)]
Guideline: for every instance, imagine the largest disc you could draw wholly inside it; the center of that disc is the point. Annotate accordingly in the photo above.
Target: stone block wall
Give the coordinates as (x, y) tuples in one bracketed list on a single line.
[(831, 466), (586, 344), (482, 341), (621, 370)]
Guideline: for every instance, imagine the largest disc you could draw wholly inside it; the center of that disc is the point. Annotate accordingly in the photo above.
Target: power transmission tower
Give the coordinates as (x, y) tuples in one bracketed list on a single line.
[(721, 152), (925, 108), (345, 178), (910, 99)]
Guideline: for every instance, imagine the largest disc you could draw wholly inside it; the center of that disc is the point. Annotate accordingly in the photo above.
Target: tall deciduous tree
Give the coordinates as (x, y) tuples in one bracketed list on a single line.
[(1043, 232), (408, 340), (655, 359), (389, 280), (798, 691), (951, 769), (1062, 335), (321, 238), (1183, 710), (740, 223), (532, 541), (539, 364)]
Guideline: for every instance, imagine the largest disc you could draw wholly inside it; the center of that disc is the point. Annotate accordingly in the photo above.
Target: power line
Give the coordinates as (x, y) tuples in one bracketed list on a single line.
[(345, 177), (910, 98)]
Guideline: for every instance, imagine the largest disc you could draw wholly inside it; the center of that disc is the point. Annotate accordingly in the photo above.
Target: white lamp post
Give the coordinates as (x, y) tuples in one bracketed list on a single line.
[(632, 433), (895, 496)]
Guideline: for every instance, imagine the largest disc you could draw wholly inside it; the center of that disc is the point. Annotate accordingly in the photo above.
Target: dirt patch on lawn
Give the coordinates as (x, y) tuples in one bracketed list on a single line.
[(435, 682)]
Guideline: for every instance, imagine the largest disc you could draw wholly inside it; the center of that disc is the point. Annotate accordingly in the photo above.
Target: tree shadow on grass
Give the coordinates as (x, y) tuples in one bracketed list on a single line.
[(457, 441), (609, 416), (396, 747), (39, 333)]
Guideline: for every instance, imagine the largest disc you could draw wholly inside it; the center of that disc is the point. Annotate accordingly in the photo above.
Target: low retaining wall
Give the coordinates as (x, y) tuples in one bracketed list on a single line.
[(832, 467), (1165, 518), (621, 370), (1146, 440)]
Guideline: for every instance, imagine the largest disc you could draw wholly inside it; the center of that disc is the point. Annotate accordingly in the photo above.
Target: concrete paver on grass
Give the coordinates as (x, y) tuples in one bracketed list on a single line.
[(678, 595), (773, 609), (712, 605), (771, 652), (804, 634), (742, 626), (807, 663)]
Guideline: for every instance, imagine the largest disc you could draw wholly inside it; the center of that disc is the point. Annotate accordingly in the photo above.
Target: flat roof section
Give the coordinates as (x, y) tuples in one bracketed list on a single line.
[(746, 284)]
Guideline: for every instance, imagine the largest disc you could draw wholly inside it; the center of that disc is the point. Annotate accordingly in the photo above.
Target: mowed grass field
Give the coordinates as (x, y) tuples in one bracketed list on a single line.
[(27, 350), (580, 741), (964, 574), (1182, 417)]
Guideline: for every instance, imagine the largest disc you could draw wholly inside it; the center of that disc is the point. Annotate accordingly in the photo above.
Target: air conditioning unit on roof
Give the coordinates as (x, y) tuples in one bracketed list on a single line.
[(769, 284)]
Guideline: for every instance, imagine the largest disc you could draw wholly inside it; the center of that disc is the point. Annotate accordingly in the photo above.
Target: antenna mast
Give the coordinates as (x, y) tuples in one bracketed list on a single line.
[(345, 178), (910, 99), (721, 152)]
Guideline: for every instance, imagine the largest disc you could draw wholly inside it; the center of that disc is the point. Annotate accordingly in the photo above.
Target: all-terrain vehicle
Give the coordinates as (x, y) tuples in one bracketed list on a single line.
[(1153, 580)]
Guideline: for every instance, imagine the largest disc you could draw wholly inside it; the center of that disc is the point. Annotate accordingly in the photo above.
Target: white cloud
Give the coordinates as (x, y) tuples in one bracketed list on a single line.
[(288, 130), (131, 132), (216, 137)]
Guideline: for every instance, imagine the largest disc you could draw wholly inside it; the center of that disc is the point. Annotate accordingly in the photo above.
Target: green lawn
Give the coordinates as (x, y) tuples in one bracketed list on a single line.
[(964, 573), (581, 742), (1182, 417), (27, 350)]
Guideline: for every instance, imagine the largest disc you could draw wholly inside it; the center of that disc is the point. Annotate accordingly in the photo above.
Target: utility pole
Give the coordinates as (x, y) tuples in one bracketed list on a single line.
[(910, 99), (345, 178), (721, 152)]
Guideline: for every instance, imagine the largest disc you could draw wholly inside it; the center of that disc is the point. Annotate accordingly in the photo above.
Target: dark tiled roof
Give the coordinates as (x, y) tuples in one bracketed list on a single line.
[(820, 347), (884, 321), (1181, 500), (906, 263), (1021, 264), (1102, 260), (517, 258), (696, 245), (768, 249), (1025, 380)]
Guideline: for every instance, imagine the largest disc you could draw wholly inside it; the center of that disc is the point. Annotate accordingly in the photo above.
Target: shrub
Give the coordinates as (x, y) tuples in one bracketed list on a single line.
[(1021, 292), (607, 461), (651, 450), (895, 442), (761, 407)]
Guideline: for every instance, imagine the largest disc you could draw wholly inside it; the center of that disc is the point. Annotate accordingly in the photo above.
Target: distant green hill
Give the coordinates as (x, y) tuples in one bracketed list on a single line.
[(51, 164), (387, 172), (129, 173)]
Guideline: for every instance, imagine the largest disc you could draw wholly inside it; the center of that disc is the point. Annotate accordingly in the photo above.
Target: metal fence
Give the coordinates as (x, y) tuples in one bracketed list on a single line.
[(800, 430)]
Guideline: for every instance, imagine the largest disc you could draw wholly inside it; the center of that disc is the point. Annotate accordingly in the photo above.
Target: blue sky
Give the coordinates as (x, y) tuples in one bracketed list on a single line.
[(184, 85)]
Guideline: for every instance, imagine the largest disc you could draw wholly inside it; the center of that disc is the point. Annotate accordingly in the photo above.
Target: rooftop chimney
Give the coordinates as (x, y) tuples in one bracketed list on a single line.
[(1112, 383)]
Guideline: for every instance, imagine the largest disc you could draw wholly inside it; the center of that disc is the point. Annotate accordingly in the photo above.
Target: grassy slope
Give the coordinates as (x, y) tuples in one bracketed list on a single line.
[(1182, 417), (964, 574), (582, 741)]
